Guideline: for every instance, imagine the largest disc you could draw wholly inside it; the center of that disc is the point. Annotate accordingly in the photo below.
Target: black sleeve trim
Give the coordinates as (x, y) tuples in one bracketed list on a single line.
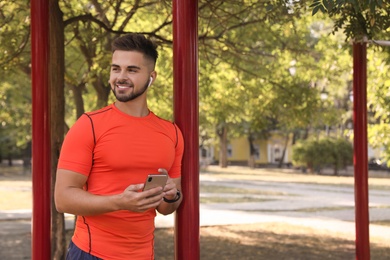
[(94, 138), (177, 135), (93, 128)]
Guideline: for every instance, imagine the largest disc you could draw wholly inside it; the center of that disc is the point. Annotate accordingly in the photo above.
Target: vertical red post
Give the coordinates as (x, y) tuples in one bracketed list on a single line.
[(360, 150), (185, 64), (41, 246)]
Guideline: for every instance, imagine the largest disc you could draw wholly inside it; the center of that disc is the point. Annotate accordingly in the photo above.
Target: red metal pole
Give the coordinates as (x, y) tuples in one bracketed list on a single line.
[(185, 64), (41, 246), (360, 150)]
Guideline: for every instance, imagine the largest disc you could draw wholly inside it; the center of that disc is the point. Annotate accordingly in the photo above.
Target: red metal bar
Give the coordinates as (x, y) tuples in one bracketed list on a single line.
[(360, 150), (41, 246), (185, 64)]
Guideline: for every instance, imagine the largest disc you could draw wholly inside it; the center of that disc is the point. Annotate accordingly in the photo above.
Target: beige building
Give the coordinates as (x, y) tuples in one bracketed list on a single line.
[(267, 152)]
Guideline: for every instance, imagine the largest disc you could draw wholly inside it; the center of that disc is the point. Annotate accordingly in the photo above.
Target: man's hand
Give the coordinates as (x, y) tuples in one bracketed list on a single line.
[(139, 201), (170, 191), (70, 197), (170, 188)]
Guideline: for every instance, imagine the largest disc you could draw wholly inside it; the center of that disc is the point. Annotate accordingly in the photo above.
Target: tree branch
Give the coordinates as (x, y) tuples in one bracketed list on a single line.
[(90, 18), (19, 50)]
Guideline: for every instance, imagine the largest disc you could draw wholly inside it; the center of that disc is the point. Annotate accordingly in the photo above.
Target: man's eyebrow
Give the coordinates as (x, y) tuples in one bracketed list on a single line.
[(128, 67), (133, 67)]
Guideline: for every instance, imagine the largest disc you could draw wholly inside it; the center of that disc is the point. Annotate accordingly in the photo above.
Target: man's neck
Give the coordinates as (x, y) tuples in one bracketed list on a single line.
[(133, 108)]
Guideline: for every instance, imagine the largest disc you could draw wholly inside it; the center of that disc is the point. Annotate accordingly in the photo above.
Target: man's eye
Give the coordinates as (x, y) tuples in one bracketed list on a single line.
[(114, 69)]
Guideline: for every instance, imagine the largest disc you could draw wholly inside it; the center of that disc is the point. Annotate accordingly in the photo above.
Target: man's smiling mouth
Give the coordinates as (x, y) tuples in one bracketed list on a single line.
[(123, 86)]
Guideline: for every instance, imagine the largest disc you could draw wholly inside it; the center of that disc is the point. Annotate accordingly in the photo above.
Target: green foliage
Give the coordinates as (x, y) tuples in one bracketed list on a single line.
[(90, 27), (262, 65), (160, 94), (326, 152), (14, 31), (378, 101), (357, 18), (15, 83), (15, 115), (367, 20), (261, 93)]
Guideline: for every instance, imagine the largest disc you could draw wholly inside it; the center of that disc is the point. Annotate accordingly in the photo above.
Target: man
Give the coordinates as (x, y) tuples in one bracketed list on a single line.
[(107, 156)]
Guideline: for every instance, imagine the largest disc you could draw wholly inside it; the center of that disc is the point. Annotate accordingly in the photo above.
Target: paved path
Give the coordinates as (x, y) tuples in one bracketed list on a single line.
[(320, 206)]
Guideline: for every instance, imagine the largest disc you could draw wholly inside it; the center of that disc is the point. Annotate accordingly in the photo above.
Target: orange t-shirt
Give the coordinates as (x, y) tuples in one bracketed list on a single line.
[(116, 150)]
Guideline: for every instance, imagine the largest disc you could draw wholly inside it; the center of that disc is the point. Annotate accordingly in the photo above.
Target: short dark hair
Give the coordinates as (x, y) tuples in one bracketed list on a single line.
[(136, 42)]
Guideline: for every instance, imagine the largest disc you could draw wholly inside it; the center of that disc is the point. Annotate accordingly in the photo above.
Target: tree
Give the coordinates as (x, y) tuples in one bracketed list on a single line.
[(357, 18), (378, 102), (246, 51), (242, 41), (89, 33), (15, 96), (221, 107), (15, 112), (369, 21), (280, 86), (326, 152), (15, 35), (57, 114)]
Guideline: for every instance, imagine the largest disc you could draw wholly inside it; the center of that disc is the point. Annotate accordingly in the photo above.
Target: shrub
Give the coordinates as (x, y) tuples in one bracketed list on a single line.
[(327, 152)]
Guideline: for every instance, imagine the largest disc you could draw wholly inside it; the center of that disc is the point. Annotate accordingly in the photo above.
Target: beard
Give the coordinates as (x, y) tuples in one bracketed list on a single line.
[(124, 97)]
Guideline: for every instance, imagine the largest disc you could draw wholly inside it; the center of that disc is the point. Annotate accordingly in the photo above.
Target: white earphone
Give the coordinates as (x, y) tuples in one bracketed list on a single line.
[(150, 81)]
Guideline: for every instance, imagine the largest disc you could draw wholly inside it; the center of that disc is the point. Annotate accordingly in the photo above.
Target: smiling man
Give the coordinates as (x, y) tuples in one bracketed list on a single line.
[(106, 157)]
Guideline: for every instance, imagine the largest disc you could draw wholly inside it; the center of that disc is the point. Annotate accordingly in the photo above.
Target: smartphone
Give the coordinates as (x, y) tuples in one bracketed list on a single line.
[(155, 180)]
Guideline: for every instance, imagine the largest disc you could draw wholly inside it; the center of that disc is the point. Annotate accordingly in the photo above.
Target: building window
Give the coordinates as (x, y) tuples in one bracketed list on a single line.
[(257, 151), (229, 151), (277, 154)]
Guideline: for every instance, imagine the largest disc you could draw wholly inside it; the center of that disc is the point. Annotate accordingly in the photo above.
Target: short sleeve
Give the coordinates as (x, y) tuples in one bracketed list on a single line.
[(77, 149), (175, 171)]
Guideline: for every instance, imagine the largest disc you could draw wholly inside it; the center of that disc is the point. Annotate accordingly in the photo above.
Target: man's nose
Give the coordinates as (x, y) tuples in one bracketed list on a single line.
[(122, 75)]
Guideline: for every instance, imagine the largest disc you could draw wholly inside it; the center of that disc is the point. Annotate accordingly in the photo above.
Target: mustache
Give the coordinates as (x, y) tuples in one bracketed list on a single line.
[(123, 82)]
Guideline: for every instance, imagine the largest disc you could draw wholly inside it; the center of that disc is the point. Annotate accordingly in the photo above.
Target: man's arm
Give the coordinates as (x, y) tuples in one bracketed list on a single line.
[(71, 198), (170, 191)]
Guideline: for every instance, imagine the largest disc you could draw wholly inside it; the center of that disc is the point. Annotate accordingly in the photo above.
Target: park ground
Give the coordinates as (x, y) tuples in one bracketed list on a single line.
[(262, 240)]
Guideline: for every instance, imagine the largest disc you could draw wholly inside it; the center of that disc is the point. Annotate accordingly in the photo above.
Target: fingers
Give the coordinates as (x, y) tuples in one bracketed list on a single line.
[(170, 186), (162, 170), (170, 189), (135, 187), (134, 199), (169, 181), (151, 192), (143, 194), (150, 202)]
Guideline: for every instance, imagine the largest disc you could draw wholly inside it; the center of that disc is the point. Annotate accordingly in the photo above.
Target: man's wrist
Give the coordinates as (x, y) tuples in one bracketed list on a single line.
[(176, 198)]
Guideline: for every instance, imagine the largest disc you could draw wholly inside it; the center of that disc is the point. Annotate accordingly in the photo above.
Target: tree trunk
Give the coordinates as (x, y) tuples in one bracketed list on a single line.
[(57, 114), (10, 159), (284, 151), (252, 159), (306, 134), (294, 138), (78, 98), (103, 90), (222, 134), (336, 170)]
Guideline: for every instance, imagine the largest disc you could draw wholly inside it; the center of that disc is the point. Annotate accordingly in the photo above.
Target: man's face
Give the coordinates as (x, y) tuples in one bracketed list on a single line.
[(130, 75)]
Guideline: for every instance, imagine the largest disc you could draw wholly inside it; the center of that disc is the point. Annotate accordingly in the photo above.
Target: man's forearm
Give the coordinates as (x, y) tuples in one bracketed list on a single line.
[(80, 202), (166, 208)]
